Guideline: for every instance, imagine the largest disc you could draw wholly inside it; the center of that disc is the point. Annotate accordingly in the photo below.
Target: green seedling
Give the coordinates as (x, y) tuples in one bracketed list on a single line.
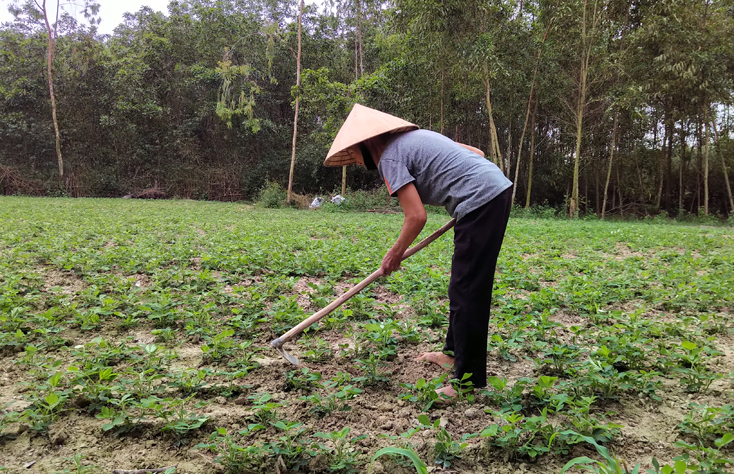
[(408, 452), (409, 332), (520, 436), (445, 450), (220, 347), (289, 447), (164, 335), (336, 401), (316, 349), (263, 410), (120, 419), (464, 388), (343, 454), (541, 390), (189, 381), (695, 376), (610, 463), (303, 379), (233, 457), (245, 356), (381, 335), (180, 421), (79, 467), (709, 460), (586, 424), (370, 366), (706, 423), (45, 411), (423, 393), (431, 314), (509, 399)]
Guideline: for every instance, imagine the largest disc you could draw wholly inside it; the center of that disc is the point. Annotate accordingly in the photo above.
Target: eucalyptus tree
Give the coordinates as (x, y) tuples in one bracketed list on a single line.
[(582, 29), (34, 12), (682, 56)]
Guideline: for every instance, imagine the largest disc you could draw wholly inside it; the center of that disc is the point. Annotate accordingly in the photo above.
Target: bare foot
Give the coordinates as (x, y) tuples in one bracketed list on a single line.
[(438, 358), (446, 395)]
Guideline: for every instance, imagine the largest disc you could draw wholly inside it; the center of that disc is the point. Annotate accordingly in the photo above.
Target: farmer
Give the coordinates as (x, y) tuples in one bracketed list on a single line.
[(424, 167)]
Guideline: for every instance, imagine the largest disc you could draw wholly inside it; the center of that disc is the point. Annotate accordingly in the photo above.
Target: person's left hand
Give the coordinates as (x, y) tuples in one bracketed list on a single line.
[(391, 262)]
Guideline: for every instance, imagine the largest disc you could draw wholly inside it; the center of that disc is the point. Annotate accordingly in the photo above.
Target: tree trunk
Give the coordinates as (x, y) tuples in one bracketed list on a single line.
[(669, 125), (344, 180), (50, 59), (699, 164), (494, 142), (527, 110), (706, 164), (681, 190), (661, 166), (609, 170), (532, 154), (298, 103), (726, 173), (580, 106), (619, 189), (573, 208), (359, 38), (442, 101)]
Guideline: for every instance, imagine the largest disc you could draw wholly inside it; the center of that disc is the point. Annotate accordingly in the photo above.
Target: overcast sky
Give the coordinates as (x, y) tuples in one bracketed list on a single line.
[(110, 11)]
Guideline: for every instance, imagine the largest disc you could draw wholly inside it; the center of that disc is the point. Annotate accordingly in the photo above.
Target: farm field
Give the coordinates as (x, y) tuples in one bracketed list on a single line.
[(135, 334)]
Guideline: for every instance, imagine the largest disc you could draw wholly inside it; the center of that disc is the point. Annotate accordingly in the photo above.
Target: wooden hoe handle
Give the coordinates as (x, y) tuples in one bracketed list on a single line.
[(358, 287)]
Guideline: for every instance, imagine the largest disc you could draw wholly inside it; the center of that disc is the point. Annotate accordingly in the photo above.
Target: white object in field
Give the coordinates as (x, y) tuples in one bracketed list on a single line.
[(338, 199), (316, 203)]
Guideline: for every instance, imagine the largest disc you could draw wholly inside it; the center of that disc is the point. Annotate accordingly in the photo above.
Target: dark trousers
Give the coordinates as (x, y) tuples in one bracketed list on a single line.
[(477, 241)]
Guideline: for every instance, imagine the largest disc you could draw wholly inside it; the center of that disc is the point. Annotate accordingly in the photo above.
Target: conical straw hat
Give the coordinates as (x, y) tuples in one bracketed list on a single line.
[(362, 124)]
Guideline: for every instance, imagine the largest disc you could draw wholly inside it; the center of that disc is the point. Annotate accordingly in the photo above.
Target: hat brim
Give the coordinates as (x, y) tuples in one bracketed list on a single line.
[(362, 124)]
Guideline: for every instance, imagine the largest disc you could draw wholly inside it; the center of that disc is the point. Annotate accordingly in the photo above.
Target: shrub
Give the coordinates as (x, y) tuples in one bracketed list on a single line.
[(272, 195)]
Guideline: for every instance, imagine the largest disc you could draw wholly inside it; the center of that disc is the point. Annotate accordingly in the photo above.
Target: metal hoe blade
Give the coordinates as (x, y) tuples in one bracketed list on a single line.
[(278, 344)]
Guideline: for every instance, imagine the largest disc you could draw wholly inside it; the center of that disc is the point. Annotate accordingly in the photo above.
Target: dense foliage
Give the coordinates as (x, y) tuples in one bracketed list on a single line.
[(627, 99)]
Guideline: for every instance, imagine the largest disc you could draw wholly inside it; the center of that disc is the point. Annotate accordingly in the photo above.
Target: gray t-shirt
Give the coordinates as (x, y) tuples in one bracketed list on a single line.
[(444, 172)]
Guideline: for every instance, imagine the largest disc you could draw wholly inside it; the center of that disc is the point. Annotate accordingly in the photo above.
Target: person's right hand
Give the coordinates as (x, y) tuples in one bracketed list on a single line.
[(391, 262)]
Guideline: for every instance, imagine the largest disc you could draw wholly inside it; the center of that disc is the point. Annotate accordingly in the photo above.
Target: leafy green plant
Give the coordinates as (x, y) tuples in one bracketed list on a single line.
[(182, 422), (695, 376), (420, 466), (79, 466), (423, 392), (708, 460), (120, 419), (303, 379), (288, 447), (509, 399), (336, 401), (610, 463), (707, 423), (233, 457), (370, 367), (316, 349), (220, 347), (343, 455), (263, 410), (445, 450), (272, 195), (586, 424), (520, 436)]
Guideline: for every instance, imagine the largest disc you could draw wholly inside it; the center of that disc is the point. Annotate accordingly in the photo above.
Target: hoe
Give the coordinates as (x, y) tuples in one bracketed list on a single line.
[(316, 317)]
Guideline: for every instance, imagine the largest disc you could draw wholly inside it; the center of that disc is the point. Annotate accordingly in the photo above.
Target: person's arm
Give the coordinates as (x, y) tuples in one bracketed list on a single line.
[(415, 219)]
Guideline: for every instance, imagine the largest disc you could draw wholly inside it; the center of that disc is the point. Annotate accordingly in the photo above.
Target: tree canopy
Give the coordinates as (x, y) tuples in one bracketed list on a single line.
[(629, 109)]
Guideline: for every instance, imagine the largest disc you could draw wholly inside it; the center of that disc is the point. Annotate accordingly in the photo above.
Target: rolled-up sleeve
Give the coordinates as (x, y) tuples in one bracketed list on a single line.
[(395, 175)]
